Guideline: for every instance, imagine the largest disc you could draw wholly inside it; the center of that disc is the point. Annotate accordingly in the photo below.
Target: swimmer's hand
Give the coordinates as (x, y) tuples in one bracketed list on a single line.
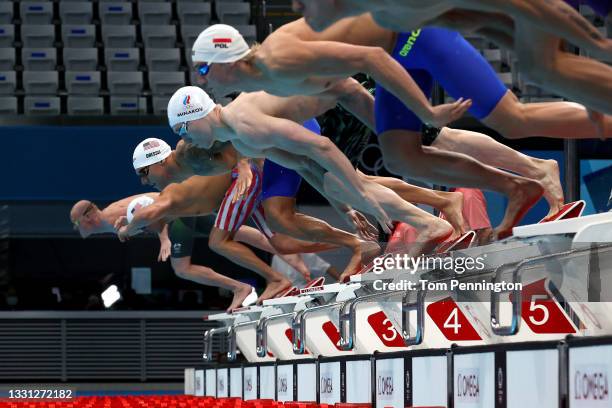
[(164, 250), (362, 226), (244, 180), (599, 120), (120, 222), (442, 115), (377, 211), (297, 263), (123, 234)]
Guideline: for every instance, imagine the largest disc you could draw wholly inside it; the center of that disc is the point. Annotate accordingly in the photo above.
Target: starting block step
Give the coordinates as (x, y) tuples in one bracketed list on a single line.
[(569, 226)]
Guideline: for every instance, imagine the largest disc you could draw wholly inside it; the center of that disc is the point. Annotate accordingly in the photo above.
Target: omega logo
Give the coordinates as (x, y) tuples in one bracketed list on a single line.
[(282, 385), (591, 385), (384, 385), (468, 386), (327, 386)]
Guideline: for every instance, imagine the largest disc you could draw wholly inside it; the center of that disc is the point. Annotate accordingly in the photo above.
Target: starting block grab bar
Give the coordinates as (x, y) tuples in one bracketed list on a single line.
[(262, 332), (298, 326), (516, 298)]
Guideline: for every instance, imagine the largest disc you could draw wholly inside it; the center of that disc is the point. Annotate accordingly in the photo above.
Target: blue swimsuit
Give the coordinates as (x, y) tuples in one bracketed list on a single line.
[(437, 54), (279, 181)]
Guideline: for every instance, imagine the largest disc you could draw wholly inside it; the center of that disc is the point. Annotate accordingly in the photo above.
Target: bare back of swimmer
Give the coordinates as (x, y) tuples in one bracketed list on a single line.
[(553, 16), (277, 66)]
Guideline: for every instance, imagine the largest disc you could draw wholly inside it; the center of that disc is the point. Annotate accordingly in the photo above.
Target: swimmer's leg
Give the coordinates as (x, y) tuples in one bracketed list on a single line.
[(489, 151), (449, 203), (580, 79), (286, 247), (431, 230), (404, 155), (282, 216), (185, 269), (555, 17), (564, 120), (222, 242)]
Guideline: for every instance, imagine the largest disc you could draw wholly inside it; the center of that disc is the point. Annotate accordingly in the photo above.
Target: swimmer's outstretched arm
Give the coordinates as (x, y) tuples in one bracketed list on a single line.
[(355, 98), (144, 217), (330, 58), (164, 244), (271, 132), (553, 16), (286, 135)]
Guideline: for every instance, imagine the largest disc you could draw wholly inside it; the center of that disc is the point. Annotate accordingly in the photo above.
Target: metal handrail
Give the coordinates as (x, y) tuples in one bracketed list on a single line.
[(208, 338), (348, 324), (419, 307), (261, 334), (298, 326), (231, 338), (516, 300)]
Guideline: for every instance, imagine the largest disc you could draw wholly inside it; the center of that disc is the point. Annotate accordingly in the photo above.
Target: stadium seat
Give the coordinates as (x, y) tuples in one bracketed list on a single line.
[(6, 12), (160, 105), (119, 36), (125, 83), (41, 105), (85, 105), (506, 78), (126, 105), (163, 59), (118, 12), (83, 83), (7, 59), (159, 36), (8, 82), (166, 83), (155, 13), (7, 35), (76, 12), (233, 13), (38, 35), (194, 13), (39, 12), (79, 36), (39, 59), (40, 82), (190, 34), (193, 78), (122, 59), (494, 57), (8, 105), (81, 59), (249, 32), (188, 57)]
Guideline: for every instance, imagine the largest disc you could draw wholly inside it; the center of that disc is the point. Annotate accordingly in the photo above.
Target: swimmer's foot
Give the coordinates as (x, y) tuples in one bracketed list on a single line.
[(453, 212), (240, 294), (436, 232), (550, 179), (363, 253), (485, 236), (297, 262), (524, 194), (274, 288)]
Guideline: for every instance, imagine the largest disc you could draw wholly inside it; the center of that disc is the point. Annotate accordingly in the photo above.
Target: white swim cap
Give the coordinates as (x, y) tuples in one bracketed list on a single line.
[(187, 104), (219, 43), (136, 204), (150, 151)]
